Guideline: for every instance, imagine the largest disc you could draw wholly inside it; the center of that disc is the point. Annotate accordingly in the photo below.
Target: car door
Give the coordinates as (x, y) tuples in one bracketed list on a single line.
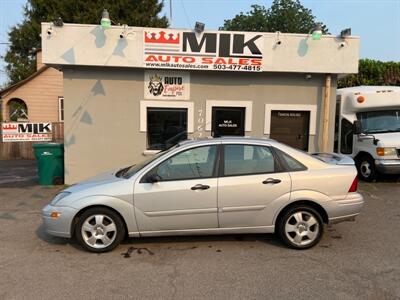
[(252, 181), (184, 194)]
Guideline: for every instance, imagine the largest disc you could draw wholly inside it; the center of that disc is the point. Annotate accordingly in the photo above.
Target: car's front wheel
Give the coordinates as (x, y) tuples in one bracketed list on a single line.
[(300, 227), (99, 229)]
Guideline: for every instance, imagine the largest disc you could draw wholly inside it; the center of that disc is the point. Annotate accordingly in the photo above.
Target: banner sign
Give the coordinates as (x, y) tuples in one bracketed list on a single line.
[(222, 51), (26, 132), (166, 85)]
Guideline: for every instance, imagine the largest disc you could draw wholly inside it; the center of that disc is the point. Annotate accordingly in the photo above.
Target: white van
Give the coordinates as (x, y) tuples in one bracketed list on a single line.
[(368, 128)]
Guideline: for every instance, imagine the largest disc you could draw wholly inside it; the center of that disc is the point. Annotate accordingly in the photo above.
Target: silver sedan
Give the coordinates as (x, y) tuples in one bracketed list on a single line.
[(214, 186)]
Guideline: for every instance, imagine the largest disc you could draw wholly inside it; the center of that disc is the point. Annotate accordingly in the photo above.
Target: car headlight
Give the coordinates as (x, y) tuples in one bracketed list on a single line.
[(58, 197), (386, 151)]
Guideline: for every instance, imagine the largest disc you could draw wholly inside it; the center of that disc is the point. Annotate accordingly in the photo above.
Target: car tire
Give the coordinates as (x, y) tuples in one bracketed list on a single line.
[(99, 229), (300, 227), (366, 168)]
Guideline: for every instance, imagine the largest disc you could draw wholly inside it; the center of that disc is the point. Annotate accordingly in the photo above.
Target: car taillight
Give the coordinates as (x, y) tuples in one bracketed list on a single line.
[(353, 187)]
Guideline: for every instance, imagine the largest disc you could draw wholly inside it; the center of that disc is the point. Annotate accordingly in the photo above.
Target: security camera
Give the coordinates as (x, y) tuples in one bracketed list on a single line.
[(50, 31), (342, 44), (122, 35), (278, 42)]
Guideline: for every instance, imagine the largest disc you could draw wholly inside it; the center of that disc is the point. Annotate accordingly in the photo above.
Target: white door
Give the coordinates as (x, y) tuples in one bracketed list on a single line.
[(250, 186), (184, 195)]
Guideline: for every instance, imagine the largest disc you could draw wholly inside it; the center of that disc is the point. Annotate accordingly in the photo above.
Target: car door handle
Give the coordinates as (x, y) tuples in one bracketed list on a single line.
[(200, 187), (271, 180)]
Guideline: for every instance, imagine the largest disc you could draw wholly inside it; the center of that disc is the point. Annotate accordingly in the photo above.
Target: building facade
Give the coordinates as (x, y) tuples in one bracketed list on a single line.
[(131, 92)]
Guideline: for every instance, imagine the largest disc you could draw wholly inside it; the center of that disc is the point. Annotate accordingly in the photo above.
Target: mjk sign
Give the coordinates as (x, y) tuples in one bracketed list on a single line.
[(26, 132), (225, 51)]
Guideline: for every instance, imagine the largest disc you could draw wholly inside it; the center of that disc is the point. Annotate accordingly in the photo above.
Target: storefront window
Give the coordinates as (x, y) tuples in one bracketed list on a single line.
[(165, 127)]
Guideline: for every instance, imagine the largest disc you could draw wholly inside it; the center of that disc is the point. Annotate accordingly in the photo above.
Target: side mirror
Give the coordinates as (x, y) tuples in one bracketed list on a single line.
[(357, 127), (153, 178)]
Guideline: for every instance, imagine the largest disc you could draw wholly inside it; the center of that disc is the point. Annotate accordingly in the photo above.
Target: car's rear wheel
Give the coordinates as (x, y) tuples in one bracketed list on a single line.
[(300, 227), (99, 230), (366, 168)]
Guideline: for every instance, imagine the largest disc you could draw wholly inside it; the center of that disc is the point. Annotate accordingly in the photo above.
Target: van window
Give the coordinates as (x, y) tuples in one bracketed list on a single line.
[(346, 137)]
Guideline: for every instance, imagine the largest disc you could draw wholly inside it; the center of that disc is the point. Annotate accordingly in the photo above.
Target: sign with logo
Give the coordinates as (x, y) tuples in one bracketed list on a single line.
[(26, 132), (223, 51), (166, 85)]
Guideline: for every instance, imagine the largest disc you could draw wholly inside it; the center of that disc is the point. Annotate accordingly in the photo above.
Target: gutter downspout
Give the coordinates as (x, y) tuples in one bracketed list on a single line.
[(325, 114)]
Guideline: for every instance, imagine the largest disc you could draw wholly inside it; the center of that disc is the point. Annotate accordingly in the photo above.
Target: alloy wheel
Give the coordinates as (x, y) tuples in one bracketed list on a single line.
[(302, 228), (99, 231)]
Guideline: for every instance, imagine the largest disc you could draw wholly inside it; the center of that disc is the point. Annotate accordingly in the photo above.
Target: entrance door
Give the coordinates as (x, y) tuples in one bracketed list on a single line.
[(228, 121), (291, 128)]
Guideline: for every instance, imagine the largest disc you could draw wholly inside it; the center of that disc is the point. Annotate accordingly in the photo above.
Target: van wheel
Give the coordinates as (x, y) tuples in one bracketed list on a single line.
[(301, 227), (99, 230), (366, 168)]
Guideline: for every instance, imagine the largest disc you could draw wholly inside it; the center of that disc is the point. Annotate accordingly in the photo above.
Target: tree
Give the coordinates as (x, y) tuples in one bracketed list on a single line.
[(287, 16), (373, 72), (25, 37)]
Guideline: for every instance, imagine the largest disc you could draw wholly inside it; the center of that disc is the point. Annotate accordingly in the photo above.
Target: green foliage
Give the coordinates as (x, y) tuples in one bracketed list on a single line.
[(26, 36), (373, 72), (287, 16)]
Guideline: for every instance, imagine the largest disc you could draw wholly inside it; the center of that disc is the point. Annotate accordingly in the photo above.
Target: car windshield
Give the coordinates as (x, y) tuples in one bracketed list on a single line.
[(131, 170), (380, 121)]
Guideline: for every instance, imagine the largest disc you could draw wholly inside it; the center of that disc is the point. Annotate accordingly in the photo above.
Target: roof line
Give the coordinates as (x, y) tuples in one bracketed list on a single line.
[(13, 87)]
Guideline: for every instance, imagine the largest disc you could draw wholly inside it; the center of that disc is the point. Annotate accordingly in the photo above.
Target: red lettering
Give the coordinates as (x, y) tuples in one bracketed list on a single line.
[(151, 58), (207, 60), (243, 61), (256, 62), (220, 61), (166, 58), (176, 58), (189, 59)]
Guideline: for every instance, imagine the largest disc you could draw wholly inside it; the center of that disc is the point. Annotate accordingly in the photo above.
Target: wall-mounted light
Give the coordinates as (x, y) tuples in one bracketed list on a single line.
[(50, 30), (125, 32), (199, 27), (105, 19), (58, 22), (278, 40), (316, 32), (345, 33)]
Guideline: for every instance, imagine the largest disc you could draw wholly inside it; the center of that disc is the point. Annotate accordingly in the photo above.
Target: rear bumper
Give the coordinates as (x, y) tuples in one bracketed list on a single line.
[(388, 166), (344, 210)]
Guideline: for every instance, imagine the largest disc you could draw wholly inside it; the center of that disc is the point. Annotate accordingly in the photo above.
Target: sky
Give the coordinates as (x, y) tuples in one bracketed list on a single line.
[(376, 22)]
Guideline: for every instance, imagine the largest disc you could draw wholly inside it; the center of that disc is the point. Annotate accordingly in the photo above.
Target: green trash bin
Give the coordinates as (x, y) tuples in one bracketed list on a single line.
[(50, 163)]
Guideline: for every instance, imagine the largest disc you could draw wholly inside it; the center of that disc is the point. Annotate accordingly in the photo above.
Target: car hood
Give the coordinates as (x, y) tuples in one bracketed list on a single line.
[(101, 179), (390, 139)]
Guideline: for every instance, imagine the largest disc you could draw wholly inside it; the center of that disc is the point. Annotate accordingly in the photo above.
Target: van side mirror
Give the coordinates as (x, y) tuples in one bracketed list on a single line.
[(357, 127), (153, 178)]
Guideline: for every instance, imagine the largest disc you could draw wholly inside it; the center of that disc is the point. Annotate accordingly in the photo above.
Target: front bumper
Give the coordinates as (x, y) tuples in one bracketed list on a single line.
[(344, 210), (388, 166), (62, 225)]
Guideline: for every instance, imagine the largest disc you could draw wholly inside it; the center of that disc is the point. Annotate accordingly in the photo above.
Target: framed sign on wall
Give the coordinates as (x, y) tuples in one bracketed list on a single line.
[(166, 85)]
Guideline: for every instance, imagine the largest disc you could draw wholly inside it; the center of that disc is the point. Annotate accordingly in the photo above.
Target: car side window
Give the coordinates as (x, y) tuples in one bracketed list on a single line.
[(248, 159), (292, 164), (190, 164)]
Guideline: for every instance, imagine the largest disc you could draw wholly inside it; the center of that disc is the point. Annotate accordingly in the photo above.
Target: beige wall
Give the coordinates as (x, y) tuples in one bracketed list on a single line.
[(40, 95), (102, 114)]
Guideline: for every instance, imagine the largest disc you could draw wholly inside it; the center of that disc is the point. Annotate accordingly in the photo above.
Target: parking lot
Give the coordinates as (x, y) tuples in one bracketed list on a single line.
[(354, 260)]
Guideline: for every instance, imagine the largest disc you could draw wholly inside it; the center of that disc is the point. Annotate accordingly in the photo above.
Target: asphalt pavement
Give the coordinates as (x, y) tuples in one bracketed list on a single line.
[(354, 260)]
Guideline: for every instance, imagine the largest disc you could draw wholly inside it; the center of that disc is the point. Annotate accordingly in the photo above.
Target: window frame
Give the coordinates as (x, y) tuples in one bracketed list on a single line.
[(278, 164), (215, 172), (148, 110), (61, 99)]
